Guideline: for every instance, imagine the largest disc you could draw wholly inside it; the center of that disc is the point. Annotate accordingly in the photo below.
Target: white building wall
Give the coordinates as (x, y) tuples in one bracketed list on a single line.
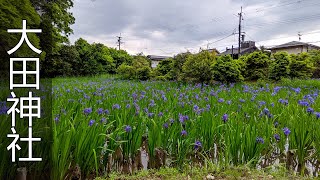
[(154, 64)]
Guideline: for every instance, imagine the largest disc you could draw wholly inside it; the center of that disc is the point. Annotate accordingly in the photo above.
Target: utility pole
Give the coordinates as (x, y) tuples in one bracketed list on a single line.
[(119, 41), (232, 51), (239, 39)]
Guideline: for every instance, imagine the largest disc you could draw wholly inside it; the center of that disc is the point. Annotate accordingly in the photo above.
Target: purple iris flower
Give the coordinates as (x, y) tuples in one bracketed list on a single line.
[(134, 95), (152, 103), (116, 106), (91, 122), (128, 106), (103, 120), (87, 111), (261, 103), (276, 137), (283, 101), (197, 145), (220, 100), (57, 118), (266, 111), (150, 115), (196, 108), (317, 115), (160, 114), (171, 121), (165, 125), (310, 110), (106, 111), (297, 90), (86, 96), (225, 118), (303, 103), (184, 133), (128, 128), (260, 140), (208, 107), (286, 131), (100, 111)]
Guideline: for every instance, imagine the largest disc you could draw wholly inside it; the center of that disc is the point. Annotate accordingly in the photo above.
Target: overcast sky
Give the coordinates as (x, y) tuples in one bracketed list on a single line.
[(168, 27)]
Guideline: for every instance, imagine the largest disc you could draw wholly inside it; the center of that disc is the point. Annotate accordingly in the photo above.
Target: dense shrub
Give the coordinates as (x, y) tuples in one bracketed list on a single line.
[(279, 67), (257, 64), (101, 54), (197, 68), (126, 71), (226, 70), (67, 62), (177, 64), (241, 65), (139, 69), (120, 57), (165, 69), (144, 73), (140, 61), (315, 59), (301, 66)]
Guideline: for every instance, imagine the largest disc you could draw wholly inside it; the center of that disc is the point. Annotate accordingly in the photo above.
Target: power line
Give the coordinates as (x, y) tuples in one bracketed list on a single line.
[(221, 39), (288, 21), (279, 5)]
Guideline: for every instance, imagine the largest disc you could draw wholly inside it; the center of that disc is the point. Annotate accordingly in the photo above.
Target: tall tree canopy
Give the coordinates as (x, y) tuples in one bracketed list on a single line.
[(12, 12)]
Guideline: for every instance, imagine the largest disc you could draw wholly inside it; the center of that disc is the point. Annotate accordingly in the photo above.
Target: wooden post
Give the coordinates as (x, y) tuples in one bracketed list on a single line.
[(21, 173)]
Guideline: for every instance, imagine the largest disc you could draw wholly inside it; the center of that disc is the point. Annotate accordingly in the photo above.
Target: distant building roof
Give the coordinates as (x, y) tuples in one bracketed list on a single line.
[(157, 58), (293, 43), (242, 51), (246, 47)]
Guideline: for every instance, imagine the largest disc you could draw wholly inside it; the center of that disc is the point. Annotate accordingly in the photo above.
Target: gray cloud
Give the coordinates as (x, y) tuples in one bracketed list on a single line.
[(169, 27)]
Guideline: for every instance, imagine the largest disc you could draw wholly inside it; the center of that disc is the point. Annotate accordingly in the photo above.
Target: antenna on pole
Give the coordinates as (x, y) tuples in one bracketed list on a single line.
[(119, 41), (299, 34)]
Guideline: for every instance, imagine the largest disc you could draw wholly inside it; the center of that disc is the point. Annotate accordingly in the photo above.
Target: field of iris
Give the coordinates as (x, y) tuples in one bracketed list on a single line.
[(103, 124)]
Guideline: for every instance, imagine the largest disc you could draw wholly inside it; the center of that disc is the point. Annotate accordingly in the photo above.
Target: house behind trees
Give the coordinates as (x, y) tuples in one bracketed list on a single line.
[(294, 47)]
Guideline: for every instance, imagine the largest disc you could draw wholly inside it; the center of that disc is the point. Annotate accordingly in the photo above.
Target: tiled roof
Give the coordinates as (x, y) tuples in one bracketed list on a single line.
[(293, 43), (235, 50)]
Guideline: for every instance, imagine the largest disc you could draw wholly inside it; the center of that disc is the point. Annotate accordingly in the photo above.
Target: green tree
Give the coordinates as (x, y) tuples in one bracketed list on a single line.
[(56, 21), (127, 72), (140, 61), (279, 67), (165, 69), (144, 73), (66, 62), (257, 64), (89, 65), (241, 63), (100, 53), (12, 12), (301, 66), (315, 59), (177, 63), (120, 57), (226, 70), (197, 68)]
